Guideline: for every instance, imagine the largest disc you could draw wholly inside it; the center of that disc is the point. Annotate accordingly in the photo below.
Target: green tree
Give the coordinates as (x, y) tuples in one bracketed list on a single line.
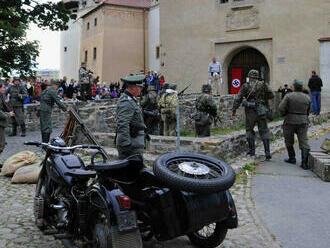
[(16, 53)]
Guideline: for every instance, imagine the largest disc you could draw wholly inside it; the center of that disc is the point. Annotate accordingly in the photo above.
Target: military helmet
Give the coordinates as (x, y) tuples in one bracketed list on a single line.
[(166, 86), (173, 86), (206, 88), (253, 74), (298, 84), (55, 82)]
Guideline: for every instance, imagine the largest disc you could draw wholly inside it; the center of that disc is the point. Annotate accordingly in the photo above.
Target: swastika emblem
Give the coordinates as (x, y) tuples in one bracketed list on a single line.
[(236, 83)]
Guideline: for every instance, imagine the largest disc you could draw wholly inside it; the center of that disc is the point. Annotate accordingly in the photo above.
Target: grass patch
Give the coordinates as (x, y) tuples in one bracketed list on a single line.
[(224, 131), (187, 133), (247, 169)]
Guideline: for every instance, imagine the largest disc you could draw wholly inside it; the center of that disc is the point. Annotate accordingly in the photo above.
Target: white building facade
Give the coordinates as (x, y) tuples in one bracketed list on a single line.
[(325, 70), (154, 47), (70, 39)]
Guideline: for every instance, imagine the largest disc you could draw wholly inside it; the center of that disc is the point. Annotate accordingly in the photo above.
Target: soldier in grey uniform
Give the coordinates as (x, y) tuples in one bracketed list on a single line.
[(47, 101), (84, 82), (17, 94), (5, 115), (206, 112), (130, 124), (295, 107), (151, 113), (253, 97)]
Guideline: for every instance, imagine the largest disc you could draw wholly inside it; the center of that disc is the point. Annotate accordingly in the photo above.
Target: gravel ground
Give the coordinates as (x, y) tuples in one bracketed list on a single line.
[(17, 225)]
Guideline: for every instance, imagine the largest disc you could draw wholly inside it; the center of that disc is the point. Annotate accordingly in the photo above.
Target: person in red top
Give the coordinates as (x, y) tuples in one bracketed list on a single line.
[(94, 89), (161, 81)]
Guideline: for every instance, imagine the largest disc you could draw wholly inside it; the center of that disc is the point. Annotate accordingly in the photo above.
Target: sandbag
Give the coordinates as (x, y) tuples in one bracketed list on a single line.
[(27, 174), (17, 161), (326, 145)]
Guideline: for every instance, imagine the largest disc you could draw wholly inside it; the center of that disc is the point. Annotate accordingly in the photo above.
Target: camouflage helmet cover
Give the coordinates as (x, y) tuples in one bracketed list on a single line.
[(173, 86), (206, 88), (253, 74)]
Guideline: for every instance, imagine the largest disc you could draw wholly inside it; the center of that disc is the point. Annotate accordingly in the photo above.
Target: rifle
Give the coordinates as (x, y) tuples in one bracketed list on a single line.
[(182, 92), (70, 130)]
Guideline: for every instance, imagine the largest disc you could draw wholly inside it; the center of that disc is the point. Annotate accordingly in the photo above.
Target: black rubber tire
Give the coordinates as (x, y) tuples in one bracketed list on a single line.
[(213, 241), (202, 186)]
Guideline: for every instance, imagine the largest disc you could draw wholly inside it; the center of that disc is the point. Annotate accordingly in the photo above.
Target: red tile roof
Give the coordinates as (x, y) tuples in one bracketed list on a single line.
[(324, 39), (130, 3)]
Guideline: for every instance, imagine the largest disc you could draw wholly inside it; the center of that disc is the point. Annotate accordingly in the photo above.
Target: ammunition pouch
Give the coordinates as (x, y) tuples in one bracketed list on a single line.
[(262, 110)]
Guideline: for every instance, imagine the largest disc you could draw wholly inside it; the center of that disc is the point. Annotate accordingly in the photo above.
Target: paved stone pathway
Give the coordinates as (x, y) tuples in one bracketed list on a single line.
[(294, 203), (17, 228)]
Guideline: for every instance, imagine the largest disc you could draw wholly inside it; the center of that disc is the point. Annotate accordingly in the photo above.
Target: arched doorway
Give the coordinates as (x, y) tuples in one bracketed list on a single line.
[(241, 64)]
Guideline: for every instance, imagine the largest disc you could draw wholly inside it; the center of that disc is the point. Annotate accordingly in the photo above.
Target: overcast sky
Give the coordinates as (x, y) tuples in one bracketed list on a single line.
[(49, 45)]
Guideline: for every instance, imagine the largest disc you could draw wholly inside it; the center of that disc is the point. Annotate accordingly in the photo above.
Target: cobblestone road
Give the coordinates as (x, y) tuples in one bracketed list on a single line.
[(17, 226)]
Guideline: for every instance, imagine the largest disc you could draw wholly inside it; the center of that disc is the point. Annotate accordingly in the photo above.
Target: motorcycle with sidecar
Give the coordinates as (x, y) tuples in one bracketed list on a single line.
[(123, 203)]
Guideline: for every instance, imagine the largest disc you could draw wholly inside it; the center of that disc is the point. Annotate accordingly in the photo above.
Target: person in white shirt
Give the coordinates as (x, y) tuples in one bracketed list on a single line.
[(215, 75)]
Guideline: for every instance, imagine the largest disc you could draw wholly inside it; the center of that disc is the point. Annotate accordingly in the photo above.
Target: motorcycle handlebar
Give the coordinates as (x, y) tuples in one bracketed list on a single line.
[(46, 145)]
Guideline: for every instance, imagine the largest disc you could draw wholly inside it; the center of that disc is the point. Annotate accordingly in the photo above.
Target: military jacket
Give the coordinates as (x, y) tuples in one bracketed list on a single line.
[(150, 101), (83, 76), (14, 91), (205, 103), (295, 107), (4, 115), (254, 91), (130, 123), (48, 99), (168, 103)]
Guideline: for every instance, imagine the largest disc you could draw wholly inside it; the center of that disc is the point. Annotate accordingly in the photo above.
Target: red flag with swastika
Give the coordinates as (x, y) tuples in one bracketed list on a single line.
[(236, 82)]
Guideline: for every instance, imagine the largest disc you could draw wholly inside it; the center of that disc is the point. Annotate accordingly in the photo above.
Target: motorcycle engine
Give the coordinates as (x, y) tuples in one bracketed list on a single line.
[(62, 208)]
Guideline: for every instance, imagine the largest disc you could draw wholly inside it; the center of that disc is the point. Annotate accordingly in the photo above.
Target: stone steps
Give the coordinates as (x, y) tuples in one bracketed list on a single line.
[(319, 162)]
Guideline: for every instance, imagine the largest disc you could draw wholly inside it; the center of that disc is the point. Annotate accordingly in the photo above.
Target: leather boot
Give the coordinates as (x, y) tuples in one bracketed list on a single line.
[(14, 131), (292, 155), (45, 137), (252, 147), (23, 130), (304, 159), (267, 149)]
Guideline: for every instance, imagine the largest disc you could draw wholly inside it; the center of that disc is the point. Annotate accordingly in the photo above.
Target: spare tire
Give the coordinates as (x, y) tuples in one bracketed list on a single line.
[(193, 172)]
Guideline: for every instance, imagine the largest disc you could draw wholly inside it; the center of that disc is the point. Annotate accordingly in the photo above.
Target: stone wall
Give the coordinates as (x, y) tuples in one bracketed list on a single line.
[(99, 116), (229, 146)]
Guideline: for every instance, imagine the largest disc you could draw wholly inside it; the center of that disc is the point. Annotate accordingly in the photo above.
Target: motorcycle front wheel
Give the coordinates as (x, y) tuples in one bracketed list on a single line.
[(193, 172), (40, 207), (209, 236)]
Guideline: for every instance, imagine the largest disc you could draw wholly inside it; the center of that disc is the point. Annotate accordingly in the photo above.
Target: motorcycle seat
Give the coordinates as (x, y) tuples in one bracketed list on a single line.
[(80, 174), (115, 165)]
